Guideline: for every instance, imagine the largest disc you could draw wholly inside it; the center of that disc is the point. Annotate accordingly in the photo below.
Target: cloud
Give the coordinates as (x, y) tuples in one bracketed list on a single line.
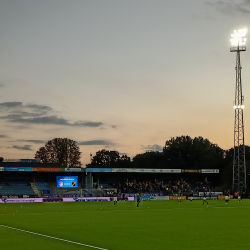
[(231, 7), (154, 147), (39, 120), (17, 112), (17, 116), (95, 142), (10, 104), (25, 147), (41, 109), (34, 141), (26, 108), (50, 120), (87, 124)]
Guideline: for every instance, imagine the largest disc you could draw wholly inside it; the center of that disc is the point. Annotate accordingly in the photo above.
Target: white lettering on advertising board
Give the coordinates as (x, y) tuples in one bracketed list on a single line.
[(161, 198), (210, 171), (210, 193), (72, 169), (171, 170), (145, 170)]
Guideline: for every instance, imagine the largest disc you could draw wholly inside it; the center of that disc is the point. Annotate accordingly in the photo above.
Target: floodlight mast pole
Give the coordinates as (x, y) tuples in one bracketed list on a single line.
[(239, 162)]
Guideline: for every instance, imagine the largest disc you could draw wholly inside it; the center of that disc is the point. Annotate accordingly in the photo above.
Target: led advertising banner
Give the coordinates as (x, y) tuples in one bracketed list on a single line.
[(191, 171), (27, 200), (41, 169), (99, 170), (29, 169), (145, 170), (28, 160), (72, 170), (67, 181), (210, 171), (208, 194)]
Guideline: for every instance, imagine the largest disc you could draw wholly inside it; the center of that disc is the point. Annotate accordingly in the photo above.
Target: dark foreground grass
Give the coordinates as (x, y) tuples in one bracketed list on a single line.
[(154, 225)]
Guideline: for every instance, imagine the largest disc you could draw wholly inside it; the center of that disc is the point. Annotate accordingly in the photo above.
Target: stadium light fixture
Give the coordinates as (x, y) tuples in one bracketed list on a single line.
[(239, 107), (238, 44), (238, 38)]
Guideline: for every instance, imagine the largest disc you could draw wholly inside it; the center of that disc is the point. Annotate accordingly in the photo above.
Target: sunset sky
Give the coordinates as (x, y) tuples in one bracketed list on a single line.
[(119, 75)]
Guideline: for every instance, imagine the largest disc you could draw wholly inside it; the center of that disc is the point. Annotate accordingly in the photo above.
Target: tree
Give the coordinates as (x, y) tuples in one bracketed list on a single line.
[(185, 152), (109, 159), (151, 159), (60, 150)]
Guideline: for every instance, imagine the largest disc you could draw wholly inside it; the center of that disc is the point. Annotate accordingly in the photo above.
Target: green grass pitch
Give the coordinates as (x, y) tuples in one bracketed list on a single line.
[(154, 225)]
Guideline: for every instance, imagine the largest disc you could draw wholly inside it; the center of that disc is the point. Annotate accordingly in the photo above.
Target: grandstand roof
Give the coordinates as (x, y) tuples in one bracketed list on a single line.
[(29, 164)]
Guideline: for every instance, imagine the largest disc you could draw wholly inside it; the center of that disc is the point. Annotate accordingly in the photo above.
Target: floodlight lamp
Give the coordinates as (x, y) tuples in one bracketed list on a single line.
[(238, 37), (238, 106), (242, 32)]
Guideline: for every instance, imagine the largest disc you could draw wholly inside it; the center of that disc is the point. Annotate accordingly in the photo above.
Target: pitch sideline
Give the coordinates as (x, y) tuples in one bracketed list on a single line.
[(55, 238)]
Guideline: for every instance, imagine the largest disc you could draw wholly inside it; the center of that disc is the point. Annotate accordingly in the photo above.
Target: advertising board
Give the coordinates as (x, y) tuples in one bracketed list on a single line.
[(67, 181), (222, 197), (40, 169), (17, 169), (75, 199), (17, 196), (156, 198), (144, 170), (170, 171), (161, 198), (145, 198), (12, 160), (20, 200), (78, 199), (176, 197), (83, 199), (52, 199), (207, 194), (98, 170), (210, 171), (28, 160), (190, 170), (71, 169), (124, 170), (201, 198)]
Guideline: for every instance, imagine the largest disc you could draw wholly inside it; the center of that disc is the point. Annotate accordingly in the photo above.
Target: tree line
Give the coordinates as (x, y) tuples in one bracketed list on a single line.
[(179, 152)]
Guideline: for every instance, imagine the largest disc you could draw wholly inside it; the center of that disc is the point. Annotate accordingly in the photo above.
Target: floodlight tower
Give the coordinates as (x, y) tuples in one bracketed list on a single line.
[(238, 44)]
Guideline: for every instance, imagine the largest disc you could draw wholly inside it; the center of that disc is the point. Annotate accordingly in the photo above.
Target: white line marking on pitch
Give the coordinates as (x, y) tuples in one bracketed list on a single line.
[(51, 237)]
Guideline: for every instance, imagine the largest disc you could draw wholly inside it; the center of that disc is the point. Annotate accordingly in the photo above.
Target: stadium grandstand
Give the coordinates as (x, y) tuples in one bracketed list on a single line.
[(25, 178)]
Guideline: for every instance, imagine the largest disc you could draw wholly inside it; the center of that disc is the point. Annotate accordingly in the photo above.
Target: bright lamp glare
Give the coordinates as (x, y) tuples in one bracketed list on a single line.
[(238, 38), (239, 107)]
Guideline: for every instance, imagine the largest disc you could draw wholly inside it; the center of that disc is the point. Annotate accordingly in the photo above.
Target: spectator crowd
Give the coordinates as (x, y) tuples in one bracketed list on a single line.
[(150, 186)]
